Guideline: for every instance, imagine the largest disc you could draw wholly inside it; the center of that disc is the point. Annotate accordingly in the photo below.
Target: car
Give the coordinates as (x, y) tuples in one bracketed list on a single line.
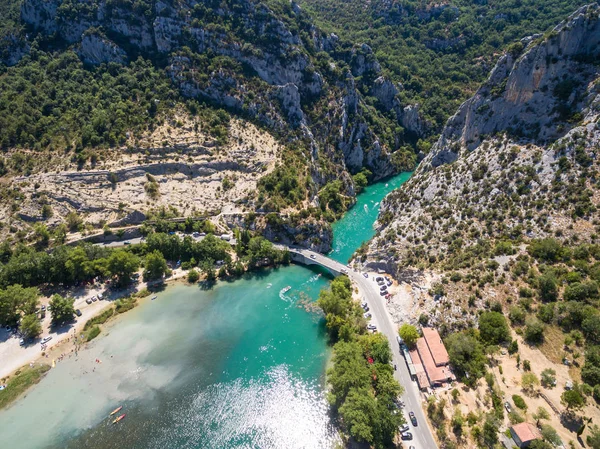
[(202, 234), (411, 447), (43, 308), (508, 407), (88, 301), (372, 327), (404, 428), (94, 298), (46, 339), (22, 342), (382, 288), (413, 419), (383, 293), (100, 296), (407, 436), (312, 256), (364, 305), (366, 275), (126, 242), (78, 312), (367, 315), (344, 271)]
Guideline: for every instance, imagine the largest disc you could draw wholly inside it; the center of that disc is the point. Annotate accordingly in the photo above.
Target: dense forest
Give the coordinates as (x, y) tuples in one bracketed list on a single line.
[(439, 51)]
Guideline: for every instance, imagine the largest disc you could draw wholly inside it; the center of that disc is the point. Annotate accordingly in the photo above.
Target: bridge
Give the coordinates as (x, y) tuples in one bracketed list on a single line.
[(368, 289), (308, 257)]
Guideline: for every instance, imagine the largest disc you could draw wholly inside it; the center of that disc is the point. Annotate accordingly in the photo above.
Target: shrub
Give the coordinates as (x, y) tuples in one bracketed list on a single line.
[(519, 401), (193, 276), (534, 331), (92, 333)]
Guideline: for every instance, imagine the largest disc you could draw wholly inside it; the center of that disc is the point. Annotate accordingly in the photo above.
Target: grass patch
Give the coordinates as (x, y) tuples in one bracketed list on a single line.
[(554, 340), (21, 382), (92, 333), (125, 304), (99, 319), (142, 293)]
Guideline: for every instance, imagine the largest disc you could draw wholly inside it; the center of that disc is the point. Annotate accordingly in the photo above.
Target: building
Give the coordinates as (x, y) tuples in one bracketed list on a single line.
[(431, 360), (524, 434)]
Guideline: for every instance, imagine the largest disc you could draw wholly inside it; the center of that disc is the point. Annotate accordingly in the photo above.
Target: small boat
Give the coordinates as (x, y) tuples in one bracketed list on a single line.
[(117, 410), (269, 285), (286, 289), (154, 297), (119, 418), (366, 208)]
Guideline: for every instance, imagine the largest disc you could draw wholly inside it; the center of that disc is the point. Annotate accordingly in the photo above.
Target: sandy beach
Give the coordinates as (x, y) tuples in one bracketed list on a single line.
[(13, 356)]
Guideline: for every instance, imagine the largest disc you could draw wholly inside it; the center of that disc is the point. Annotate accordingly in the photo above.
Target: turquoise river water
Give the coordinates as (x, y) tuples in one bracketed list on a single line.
[(240, 365)]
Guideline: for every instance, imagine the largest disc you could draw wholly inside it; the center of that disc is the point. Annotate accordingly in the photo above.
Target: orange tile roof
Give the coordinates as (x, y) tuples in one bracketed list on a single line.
[(422, 379), (436, 374), (526, 432), (436, 346)]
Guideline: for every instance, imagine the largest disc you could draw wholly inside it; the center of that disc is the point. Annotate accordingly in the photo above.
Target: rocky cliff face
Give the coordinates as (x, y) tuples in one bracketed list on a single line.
[(274, 79), (533, 95), (517, 161)]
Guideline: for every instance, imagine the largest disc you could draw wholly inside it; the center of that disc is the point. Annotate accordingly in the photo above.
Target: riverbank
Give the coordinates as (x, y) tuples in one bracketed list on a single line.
[(63, 343)]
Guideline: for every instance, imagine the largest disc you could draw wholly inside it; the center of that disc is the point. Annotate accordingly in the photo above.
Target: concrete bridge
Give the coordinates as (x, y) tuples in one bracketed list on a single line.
[(308, 257)]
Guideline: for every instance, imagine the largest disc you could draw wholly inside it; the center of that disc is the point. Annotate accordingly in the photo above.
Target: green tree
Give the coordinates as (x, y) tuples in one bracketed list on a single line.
[(193, 276), (540, 413), (534, 331), (155, 267), (15, 301), (30, 326), (466, 355), (529, 381), (123, 264), (409, 334), (548, 377), (550, 434), (493, 328), (593, 439), (62, 309), (547, 288), (573, 399)]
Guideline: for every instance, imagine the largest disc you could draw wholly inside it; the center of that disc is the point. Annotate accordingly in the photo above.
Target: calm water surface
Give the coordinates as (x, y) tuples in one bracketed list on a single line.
[(240, 365)]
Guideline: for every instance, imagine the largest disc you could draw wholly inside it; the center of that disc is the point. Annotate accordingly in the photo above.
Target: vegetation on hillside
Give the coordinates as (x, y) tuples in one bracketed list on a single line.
[(440, 52)]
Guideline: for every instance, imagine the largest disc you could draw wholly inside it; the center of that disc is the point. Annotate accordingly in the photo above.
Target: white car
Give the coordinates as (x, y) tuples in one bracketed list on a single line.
[(372, 327), (46, 339), (312, 256)]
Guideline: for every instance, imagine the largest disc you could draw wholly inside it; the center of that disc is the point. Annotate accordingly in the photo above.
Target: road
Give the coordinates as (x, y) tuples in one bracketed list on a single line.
[(138, 240), (368, 288)]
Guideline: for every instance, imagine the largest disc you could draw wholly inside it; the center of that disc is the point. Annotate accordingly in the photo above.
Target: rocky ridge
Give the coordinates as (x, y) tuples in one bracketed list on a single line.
[(517, 161), (275, 82)]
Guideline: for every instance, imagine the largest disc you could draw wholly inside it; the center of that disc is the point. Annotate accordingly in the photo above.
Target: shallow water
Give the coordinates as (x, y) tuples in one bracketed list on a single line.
[(240, 365)]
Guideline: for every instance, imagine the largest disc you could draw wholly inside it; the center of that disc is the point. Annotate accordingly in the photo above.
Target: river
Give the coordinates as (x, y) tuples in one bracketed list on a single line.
[(240, 365)]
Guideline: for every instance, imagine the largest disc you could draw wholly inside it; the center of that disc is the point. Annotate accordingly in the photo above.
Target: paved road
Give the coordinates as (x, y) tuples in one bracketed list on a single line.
[(423, 436), (138, 240)]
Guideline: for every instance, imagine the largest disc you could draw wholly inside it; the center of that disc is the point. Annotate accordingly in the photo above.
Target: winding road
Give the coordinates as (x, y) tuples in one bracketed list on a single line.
[(369, 290)]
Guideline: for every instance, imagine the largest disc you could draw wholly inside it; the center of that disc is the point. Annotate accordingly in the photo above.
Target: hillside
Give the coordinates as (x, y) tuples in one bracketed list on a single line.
[(499, 225), (99, 77), (438, 51)]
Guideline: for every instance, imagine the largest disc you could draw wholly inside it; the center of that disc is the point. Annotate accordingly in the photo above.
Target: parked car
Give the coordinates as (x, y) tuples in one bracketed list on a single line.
[(22, 342), (94, 298), (508, 407), (404, 428), (364, 305), (413, 418), (383, 293), (78, 312), (372, 327), (88, 301), (46, 339), (43, 308), (406, 436), (367, 315), (126, 242)]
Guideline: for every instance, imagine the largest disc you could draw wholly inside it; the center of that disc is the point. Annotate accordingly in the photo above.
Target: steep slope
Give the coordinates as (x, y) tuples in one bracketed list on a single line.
[(326, 101), (518, 159)]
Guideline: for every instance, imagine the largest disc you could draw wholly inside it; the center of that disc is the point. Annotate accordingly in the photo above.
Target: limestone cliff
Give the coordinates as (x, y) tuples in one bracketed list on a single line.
[(274, 79), (517, 161)]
